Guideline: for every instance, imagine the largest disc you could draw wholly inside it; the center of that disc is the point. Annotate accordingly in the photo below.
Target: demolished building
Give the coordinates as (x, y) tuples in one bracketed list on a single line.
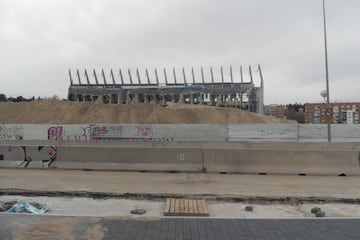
[(165, 88)]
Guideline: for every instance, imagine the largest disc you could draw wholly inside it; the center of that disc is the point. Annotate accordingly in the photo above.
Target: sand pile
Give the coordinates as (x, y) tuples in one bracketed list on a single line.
[(65, 112)]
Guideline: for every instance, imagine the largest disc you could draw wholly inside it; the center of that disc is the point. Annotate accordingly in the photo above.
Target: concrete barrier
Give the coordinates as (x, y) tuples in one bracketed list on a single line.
[(15, 156), (231, 157), (313, 162), (142, 157)]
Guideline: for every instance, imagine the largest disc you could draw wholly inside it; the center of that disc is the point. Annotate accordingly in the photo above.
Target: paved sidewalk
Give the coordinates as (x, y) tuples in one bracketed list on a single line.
[(232, 229), (150, 184), (86, 228)]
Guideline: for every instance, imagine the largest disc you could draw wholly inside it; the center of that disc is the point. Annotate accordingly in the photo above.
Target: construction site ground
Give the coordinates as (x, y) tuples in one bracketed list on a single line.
[(97, 205), (108, 193), (66, 112)]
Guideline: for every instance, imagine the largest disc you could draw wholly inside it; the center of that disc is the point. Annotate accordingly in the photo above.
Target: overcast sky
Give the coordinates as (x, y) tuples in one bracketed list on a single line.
[(41, 39)]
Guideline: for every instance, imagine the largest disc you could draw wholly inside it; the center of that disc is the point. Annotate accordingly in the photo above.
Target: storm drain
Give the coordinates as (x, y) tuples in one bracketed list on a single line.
[(185, 207)]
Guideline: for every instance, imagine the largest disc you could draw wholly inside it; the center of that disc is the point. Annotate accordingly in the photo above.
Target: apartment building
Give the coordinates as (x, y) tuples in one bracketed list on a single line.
[(343, 113)]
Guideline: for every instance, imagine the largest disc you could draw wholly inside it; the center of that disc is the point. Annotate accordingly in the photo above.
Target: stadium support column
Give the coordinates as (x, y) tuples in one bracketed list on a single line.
[(95, 76), (218, 100), (241, 75), (99, 99), (71, 79), (136, 98), (157, 77), (211, 98), (260, 93), (181, 98), (250, 73), (120, 97), (202, 75), (87, 77), (78, 75), (174, 73), (201, 98), (112, 77), (191, 98)]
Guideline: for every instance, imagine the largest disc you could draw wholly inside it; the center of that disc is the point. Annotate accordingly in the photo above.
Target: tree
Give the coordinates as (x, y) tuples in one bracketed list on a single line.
[(3, 97), (20, 99)]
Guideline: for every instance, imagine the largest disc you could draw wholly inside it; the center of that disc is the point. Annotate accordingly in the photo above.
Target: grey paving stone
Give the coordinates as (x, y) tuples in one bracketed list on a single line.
[(200, 228)]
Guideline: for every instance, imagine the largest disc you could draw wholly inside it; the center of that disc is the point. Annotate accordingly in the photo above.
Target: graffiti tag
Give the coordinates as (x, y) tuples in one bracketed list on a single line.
[(55, 133), (28, 156), (105, 132), (11, 133), (144, 131), (84, 135)]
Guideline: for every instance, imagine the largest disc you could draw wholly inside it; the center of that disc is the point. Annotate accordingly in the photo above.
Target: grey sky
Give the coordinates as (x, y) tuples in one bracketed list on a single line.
[(42, 39)]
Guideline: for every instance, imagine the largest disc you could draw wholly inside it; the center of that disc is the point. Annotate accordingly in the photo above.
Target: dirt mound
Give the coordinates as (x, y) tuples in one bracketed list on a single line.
[(65, 112)]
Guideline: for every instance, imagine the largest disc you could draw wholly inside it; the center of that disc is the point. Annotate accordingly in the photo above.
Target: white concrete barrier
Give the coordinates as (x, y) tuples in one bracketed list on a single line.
[(282, 161), (231, 157), (141, 157)]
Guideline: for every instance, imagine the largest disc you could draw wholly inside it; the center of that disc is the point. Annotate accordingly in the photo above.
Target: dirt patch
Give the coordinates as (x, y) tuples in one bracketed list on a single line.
[(96, 232), (66, 112), (58, 229), (66, 228)]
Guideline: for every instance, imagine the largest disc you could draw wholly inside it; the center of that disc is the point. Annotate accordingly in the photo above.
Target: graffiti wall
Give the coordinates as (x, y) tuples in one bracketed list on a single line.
[(122, 133), (27, 156), (159, 133), (109, 132), (11, 132), (245, 132), (45, 132), (180, 132)]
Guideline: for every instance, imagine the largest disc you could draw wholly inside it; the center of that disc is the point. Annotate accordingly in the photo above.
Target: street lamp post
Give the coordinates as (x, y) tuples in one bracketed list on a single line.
[(327, 71)]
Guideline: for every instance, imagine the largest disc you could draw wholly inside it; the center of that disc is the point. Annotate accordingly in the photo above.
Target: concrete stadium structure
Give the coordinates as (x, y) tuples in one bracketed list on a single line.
[(165, 89)]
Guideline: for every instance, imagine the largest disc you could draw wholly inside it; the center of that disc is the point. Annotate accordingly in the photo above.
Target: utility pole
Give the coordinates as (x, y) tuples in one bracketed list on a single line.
[(327, 72)]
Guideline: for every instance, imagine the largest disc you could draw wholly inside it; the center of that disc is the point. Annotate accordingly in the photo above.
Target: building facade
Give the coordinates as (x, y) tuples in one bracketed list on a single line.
[(343, 113), (275, 110)]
